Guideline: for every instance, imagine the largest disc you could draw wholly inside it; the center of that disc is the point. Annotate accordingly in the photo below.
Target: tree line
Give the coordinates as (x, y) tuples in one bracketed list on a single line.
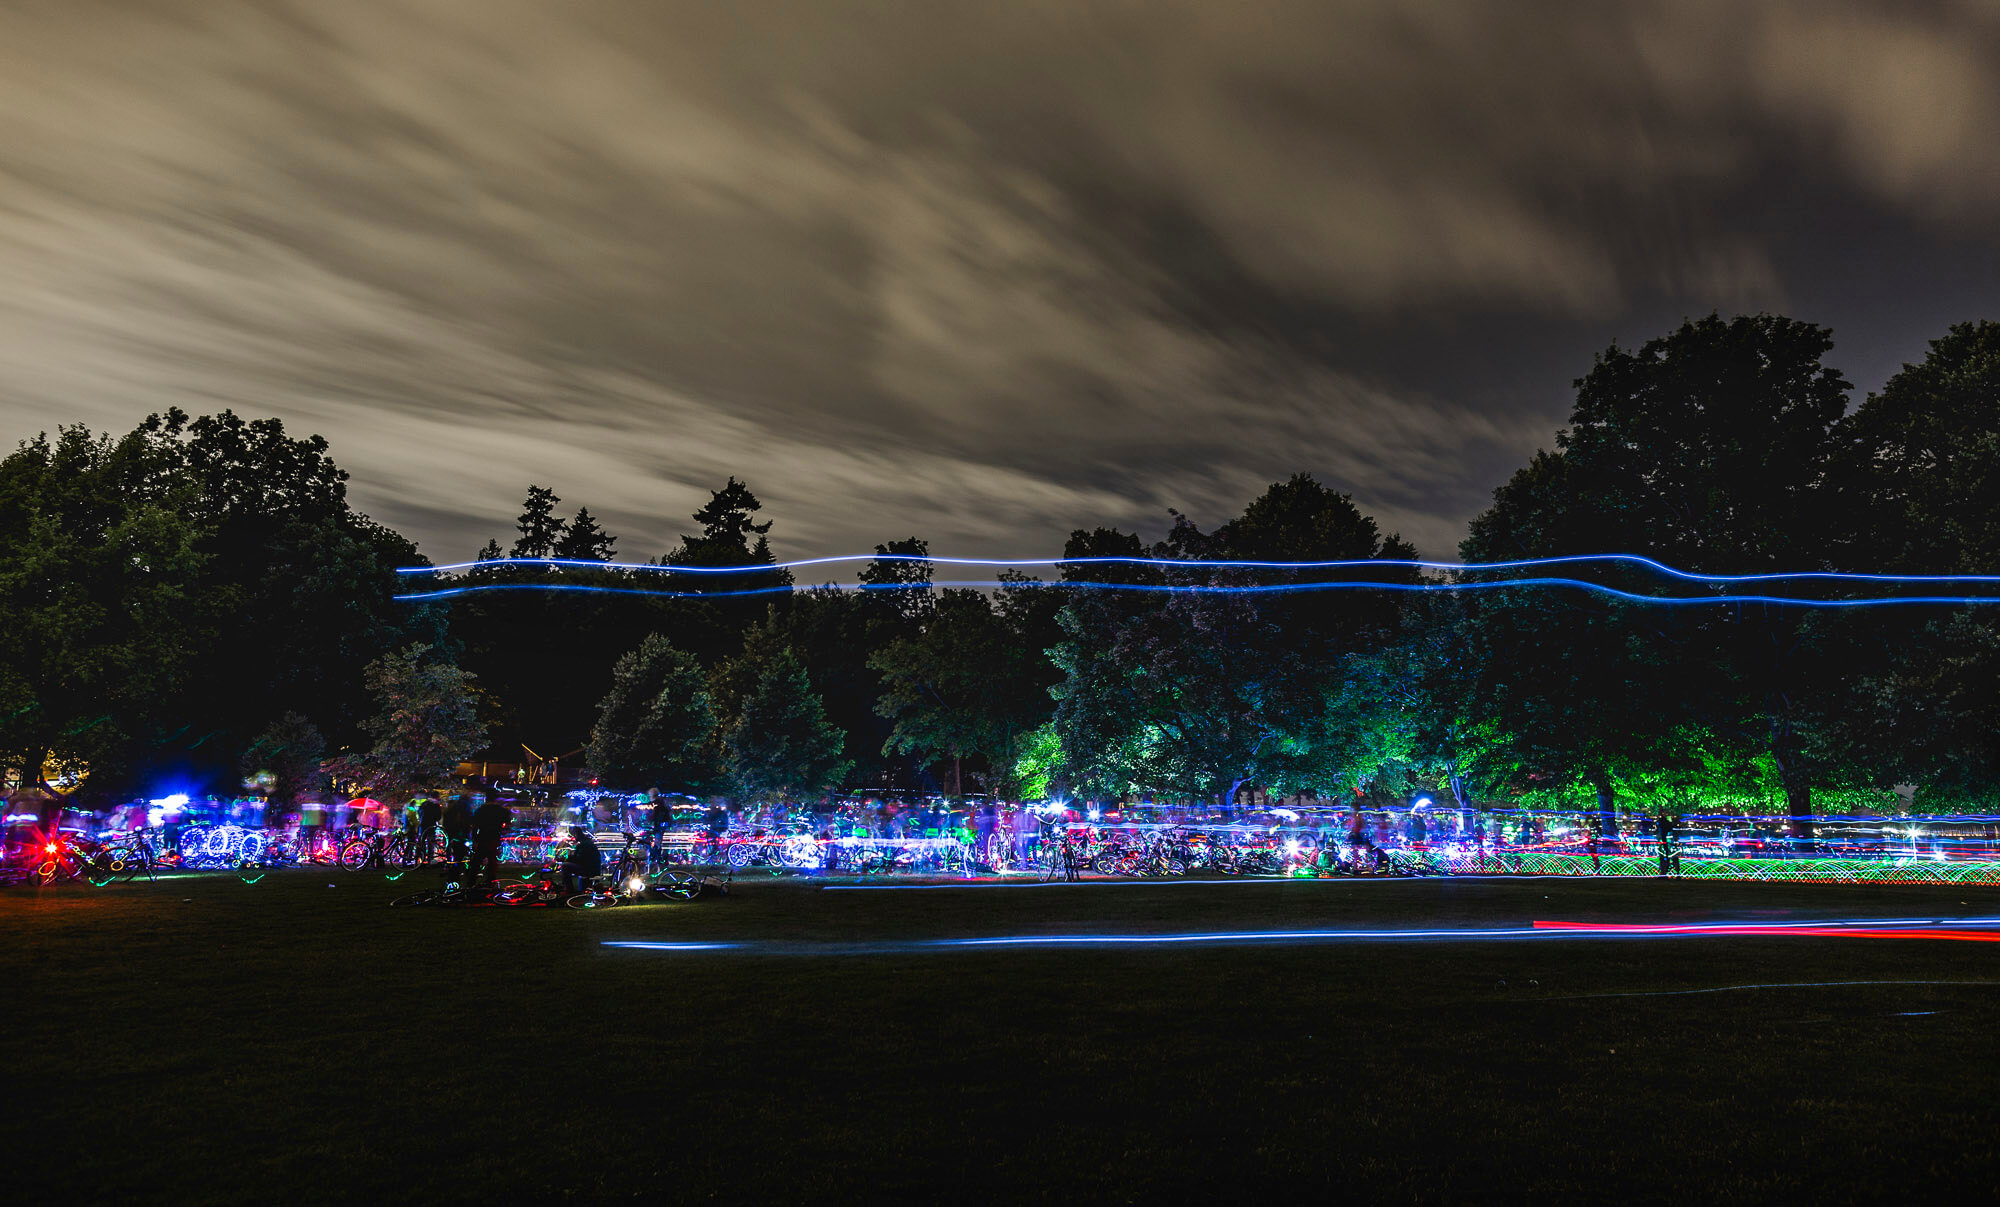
[(197, 599)]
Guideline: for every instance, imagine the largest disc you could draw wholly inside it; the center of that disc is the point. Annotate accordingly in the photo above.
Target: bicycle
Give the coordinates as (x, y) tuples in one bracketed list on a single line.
[(1058, 852), (451, 894), (64, 858), (133, 854)]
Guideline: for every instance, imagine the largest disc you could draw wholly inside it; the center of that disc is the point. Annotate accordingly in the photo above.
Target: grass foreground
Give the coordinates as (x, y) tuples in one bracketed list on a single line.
[(203, 1040)]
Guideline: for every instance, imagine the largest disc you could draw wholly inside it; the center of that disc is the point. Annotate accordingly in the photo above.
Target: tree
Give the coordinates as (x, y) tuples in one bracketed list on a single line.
[(1708, 449), (897, 584), (584, 540), (103, 614), (955, 690), (545, 658), (1920, 473), (426, 724), (539, 526), (1202, 678), (291, 751), (778, 741), (726, 528), (656, 727)]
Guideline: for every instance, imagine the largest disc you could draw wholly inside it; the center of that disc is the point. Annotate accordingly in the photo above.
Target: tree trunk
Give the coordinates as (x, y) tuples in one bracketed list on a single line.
[(1792, 775), (1799, 807), (1462, 799), (1607, 803)]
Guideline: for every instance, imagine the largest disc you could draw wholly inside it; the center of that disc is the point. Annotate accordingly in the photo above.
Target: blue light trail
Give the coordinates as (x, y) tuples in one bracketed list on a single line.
[(1630, 559), (1244, 589), (1986, 929)]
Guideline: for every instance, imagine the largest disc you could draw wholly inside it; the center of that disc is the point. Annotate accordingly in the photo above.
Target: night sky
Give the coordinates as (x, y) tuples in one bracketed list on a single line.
[(981, 273)]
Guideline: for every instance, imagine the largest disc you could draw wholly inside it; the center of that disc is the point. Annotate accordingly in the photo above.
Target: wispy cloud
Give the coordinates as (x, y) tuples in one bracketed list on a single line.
[(980, 273)]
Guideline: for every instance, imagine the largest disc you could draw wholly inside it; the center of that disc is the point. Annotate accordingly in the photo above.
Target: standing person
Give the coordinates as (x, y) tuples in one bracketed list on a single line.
[(1670, 855), (456, 821), (428, 814), (312, 819), (662, 817), (987, 820), (489, 823), (715, 823)]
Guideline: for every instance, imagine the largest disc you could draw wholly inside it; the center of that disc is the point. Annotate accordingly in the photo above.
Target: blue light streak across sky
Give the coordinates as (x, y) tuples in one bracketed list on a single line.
[(1245, 589), (1629, 559)]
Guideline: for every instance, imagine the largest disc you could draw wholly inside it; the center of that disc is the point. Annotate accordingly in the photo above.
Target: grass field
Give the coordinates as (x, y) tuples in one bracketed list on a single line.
[(297, 1041)]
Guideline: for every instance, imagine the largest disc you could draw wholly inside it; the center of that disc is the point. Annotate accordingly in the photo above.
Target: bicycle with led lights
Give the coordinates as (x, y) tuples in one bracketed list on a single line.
[(71, 857), (132, 854)]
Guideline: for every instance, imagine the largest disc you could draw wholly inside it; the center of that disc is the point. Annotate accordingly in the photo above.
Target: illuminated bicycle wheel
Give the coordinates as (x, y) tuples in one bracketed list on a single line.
[(354, 855), (742, 854), (593, 901), (799, 851), (98, 869), (124, 862)]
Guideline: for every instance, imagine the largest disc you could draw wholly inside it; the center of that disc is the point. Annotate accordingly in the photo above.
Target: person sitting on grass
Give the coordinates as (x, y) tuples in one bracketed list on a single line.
[(584, 863)]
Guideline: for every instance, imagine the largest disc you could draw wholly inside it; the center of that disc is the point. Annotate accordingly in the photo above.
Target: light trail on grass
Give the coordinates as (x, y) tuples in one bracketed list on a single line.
[(648, 946), (1579, 997), (1175, 883), (1928, 930), (1985, 930)]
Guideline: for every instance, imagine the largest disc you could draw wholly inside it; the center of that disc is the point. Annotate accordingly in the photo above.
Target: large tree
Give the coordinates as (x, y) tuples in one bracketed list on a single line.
[(1709, 449), (962, 688), (656, 727), (104, 616), (291, 752), (1191, 678), (426, 723), (1921, 473), (777, 740)]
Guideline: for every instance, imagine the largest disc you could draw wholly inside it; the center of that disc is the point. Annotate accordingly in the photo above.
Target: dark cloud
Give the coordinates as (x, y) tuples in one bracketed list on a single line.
[(977, 272)]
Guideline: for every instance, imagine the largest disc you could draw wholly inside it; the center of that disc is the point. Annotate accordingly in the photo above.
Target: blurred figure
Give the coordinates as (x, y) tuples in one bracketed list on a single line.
[(984, 823), (662, 818), (456, 822), (489, 824), (428, 814)]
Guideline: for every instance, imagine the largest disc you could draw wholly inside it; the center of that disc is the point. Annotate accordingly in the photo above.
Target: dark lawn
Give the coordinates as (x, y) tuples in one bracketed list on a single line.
[(204, 1040)]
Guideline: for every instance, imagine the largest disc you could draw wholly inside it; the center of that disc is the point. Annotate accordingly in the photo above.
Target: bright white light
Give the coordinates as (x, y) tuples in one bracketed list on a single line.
[(1420, 802), (170, 802)]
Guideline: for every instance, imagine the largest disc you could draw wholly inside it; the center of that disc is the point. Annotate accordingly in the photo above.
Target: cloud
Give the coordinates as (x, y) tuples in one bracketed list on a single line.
[(980, 273)]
